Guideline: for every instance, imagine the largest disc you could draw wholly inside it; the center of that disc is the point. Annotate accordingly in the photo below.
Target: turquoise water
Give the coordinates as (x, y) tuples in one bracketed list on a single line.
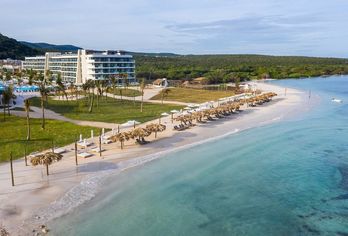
[(27, 88), (289, 178)]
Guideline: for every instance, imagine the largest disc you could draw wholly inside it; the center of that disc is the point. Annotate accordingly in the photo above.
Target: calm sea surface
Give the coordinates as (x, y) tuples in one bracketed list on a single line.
[(288, 178)]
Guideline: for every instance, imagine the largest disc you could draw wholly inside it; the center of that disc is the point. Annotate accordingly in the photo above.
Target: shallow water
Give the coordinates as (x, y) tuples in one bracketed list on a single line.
[(289, 178)]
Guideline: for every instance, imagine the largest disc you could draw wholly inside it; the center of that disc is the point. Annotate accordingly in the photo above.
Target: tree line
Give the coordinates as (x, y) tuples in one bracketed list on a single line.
[(227, 68)]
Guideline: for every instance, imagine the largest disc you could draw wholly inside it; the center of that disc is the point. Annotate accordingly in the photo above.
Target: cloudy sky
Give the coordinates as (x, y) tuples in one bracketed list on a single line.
[(276, 27)]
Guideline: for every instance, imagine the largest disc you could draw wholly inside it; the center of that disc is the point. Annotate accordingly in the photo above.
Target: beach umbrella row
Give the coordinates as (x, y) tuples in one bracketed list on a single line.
[(138, 134), (224, 109)]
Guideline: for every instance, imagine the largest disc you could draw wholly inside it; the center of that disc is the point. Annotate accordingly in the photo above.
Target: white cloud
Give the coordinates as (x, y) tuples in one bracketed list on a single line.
[(182, 26)]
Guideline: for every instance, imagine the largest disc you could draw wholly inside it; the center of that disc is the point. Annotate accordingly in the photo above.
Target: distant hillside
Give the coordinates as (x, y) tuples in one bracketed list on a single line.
[(50, 47), (11, 48)]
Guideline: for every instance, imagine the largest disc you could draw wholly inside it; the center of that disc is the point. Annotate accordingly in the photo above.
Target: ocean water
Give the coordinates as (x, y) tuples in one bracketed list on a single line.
[(288, 178)]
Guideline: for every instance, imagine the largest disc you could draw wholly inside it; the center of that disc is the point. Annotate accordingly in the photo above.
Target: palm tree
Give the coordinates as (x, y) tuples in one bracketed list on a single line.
[(43, 93), (104, 88), (8, 75), (113, 81), (61, 86), (46, 159), (126, 81), (91, 86), (164, 92), (43, 99), (27, 109), (121, 88), (99, 90), (142, 87), (31, 76), (85, 88), (7, 96), (237, 82), (48, 76)]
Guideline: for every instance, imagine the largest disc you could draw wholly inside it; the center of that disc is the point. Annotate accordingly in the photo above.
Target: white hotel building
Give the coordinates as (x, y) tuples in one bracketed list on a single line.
[(84, 65)]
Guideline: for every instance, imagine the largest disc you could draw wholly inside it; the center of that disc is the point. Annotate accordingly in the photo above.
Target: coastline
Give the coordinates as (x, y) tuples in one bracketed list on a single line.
[(37, 195)]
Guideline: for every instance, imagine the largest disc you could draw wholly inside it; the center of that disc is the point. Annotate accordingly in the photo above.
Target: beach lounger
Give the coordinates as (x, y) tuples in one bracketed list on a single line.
[(106, 141), (141, 142), (105, 137), (33, 154), (180, 127), (84, 144), (59, 150), (96, 150), (84, 154)]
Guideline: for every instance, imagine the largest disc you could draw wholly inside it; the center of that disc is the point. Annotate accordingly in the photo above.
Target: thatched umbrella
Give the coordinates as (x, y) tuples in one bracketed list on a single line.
[(154, 128), (119, 137), (46, 159), (180, 118), (4, 232), (141, 133), (172, 112), (198, 116)]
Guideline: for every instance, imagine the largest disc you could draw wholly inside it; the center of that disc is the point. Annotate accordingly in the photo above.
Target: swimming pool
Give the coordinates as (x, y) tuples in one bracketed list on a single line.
[(26, 88)]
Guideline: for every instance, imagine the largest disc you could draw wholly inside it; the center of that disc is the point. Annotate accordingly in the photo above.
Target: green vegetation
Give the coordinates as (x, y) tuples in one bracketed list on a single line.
[(13, 133), (225, 68), (11, 48), (128, 92), (193, 95), (50, 47), (110, 110)]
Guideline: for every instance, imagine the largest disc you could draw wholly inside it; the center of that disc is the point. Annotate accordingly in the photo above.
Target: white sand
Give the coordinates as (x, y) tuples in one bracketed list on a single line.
[(34, 192)]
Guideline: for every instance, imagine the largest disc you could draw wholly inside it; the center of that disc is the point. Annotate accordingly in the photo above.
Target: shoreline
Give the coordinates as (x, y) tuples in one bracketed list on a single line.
[(50, 197)]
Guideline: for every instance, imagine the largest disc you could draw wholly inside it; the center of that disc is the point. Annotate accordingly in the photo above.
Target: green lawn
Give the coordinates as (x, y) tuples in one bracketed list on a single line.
[(14, 130), (193, 95), (125, 92), (110, 110)]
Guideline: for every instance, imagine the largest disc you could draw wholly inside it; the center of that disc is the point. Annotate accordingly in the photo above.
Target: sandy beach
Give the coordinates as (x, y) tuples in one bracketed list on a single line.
[(37, 199)]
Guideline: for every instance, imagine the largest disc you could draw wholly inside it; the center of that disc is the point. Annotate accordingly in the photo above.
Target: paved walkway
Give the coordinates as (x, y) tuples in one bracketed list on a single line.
[(37, 113), (148, 94)]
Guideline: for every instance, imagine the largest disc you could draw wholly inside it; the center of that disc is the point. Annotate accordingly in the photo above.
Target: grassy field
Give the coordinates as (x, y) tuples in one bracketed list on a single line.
[(193, 95), (110, 110), (125, 92), (14, 130)]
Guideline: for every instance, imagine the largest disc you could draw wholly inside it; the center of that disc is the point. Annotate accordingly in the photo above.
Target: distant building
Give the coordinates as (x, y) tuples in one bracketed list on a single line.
[(196, 83), (10, 65), (84, 65), (160, 82), (200, 81)]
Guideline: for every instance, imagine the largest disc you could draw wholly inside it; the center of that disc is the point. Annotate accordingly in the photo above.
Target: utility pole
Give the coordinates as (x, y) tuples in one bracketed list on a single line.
[(76, 154), (11, 167)]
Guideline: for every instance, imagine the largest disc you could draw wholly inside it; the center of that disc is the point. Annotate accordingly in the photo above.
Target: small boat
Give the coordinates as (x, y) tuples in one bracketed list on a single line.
[(336, 100)]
